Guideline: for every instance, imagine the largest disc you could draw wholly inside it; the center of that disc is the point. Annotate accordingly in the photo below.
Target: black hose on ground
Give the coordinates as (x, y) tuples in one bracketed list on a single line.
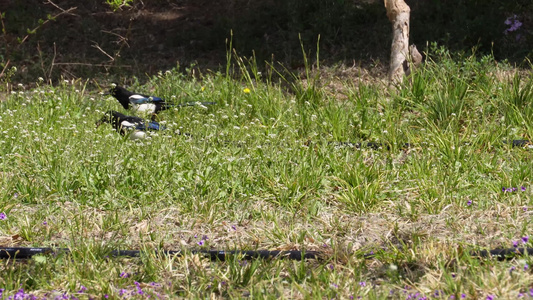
[(378, 145), (222, 255), (503, 254)]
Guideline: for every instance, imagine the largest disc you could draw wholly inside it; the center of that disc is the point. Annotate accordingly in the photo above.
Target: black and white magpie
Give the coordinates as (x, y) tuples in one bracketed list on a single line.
[(134, 127), (145, 103)]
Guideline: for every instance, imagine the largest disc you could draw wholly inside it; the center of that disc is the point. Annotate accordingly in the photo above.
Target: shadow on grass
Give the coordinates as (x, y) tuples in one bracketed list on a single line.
[(94, 41)]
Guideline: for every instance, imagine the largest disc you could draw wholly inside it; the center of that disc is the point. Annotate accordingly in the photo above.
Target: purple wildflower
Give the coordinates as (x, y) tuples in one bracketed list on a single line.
[(520, 295), (514, 24), (525, 239), (523, 188), (122, 292), (45, 223), (454, 275), (82, 289), (124, 275), (469, 203), (515, 244), (139, 290), (335, 285), (526, 267), (19, 295), (503, 189), (201, 242), (362, 283), (233, 227), (463, 295), (3, 216), (415, 296), (524, 208), (490, 297), (531, 292)]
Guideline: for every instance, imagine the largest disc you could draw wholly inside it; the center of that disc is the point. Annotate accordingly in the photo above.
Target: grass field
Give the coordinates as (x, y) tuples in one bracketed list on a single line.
[(268, 167)]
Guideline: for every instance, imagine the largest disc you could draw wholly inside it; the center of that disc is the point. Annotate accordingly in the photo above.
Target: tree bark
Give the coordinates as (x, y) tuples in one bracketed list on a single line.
[(401, 62)]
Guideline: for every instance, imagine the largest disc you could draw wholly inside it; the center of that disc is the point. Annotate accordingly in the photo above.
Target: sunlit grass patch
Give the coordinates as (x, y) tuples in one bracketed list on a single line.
[(419, 174)]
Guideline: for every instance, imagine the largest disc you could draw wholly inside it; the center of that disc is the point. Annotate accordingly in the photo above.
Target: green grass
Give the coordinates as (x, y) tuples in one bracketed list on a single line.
[(264, 169)]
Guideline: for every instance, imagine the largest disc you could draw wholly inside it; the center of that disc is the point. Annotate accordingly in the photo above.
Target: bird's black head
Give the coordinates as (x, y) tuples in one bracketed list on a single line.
[(112, 117), (112, 91), (117, 91), (121, 94)]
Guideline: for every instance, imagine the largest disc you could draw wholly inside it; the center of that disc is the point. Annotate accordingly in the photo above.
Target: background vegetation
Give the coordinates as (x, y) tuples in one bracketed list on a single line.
[(92, 40)]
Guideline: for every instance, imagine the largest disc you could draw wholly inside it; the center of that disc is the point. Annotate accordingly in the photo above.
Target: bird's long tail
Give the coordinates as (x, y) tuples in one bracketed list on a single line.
[(192, 103)]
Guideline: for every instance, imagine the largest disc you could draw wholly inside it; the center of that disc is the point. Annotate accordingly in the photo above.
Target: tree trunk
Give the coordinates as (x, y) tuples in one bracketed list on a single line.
[(398, 13)]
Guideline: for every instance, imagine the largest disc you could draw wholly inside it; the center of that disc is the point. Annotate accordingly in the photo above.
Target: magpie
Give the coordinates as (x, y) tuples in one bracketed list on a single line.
[(145, 103), (134, 127)]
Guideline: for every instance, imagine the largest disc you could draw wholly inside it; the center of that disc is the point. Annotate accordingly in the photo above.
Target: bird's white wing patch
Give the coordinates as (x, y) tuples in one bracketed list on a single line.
[(145, 108), (127, 125), (137, 97), (137, 135)]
